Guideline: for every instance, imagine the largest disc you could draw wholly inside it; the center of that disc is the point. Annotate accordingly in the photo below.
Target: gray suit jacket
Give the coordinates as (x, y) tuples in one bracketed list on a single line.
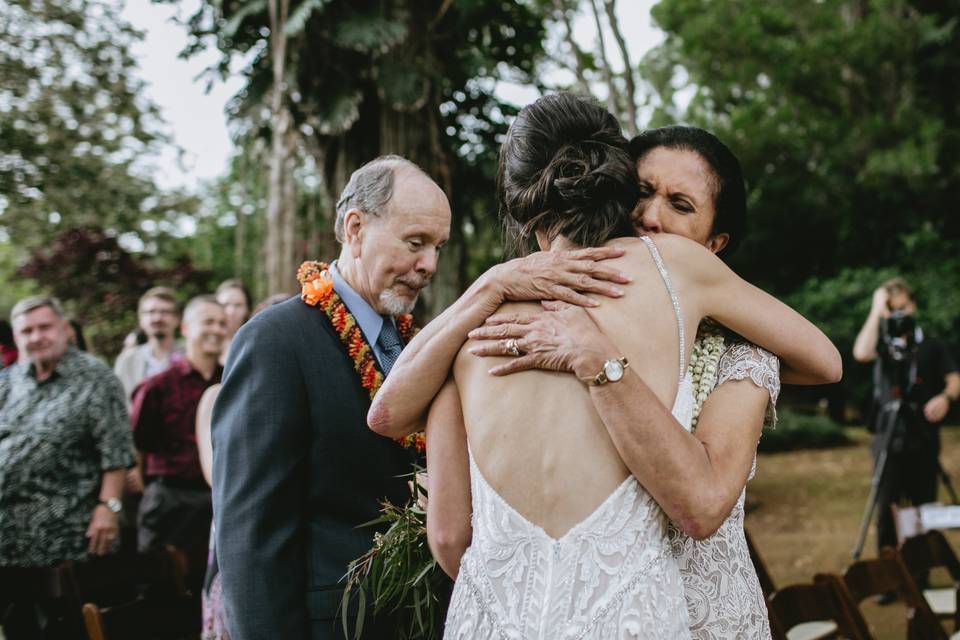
[(295, 471)]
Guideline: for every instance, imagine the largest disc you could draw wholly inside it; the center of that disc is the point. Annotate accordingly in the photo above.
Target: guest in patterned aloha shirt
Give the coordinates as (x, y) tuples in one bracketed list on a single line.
[(64, 445)]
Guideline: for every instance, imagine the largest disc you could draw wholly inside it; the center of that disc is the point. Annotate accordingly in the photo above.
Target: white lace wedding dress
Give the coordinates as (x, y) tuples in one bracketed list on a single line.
[(724, 598), (612, 576)]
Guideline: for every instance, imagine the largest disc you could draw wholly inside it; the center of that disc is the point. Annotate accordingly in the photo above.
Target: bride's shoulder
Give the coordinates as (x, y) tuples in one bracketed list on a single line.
[(685, 256), (671, 243), (678, 253)]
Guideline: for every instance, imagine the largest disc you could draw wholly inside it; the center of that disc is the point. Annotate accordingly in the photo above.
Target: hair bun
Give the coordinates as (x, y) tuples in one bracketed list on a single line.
[(590, 186), (565, 170)]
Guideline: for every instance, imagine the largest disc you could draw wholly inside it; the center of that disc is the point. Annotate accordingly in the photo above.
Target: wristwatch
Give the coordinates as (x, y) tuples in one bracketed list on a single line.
[(612, 371), (113, 504)]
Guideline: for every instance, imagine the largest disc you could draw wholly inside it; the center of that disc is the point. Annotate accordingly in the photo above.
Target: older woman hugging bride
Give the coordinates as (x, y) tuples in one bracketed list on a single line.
[(567, 476)]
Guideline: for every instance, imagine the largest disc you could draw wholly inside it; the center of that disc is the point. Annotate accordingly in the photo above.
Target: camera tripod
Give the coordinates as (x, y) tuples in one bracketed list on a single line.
[(890, 423)]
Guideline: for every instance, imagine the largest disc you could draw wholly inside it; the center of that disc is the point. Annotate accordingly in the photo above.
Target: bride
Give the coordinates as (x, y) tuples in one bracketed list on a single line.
[(565, 542)]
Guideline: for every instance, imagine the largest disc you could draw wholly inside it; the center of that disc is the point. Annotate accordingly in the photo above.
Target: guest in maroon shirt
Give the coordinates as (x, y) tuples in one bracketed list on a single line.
[(176, 508)]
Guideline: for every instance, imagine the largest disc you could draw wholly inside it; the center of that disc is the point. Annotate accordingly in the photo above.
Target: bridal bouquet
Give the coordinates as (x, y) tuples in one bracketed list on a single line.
[(399, 575)]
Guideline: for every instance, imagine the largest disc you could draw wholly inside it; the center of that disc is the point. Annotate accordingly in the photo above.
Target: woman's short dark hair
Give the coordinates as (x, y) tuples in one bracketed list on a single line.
[(729, 194), (565, 169)]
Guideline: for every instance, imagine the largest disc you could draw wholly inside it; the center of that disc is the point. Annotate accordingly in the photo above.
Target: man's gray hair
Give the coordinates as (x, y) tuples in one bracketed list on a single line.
[(370, 188), (32, 303)]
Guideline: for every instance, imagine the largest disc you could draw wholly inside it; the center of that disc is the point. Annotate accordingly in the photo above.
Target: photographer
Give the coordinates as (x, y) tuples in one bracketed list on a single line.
[(920, 371)]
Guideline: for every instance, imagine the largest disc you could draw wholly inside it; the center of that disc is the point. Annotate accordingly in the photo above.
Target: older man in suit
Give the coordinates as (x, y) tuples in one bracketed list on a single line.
[(295, 469)]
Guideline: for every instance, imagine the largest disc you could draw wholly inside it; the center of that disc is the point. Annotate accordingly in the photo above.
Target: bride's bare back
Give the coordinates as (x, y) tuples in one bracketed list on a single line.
[(535, 435)]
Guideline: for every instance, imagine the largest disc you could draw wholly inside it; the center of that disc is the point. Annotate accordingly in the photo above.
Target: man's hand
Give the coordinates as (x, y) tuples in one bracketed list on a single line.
[(560, 339), (879, 306), (936, 408), (102, 531), (560, 275)]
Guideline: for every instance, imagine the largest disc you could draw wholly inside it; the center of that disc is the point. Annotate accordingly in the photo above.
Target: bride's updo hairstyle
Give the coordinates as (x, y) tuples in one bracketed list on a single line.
[(565, 170)]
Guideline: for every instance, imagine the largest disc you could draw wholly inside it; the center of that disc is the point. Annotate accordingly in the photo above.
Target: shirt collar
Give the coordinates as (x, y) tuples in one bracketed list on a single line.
[(66, 367), (369, 320), (180, 364)]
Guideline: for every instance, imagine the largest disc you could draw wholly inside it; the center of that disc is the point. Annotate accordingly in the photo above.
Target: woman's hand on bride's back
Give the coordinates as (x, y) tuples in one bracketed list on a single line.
[(559, 275), (563, 338)]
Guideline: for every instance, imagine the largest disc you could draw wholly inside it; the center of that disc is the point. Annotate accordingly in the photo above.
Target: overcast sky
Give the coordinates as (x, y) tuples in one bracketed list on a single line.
[(195, 119)]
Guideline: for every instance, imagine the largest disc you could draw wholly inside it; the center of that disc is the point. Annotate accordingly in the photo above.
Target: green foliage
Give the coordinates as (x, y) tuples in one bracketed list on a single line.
[(846, 119), (227, 240), (839, 304), (100, 282), (363, 79), (74, 126), (401, 86), (370, 33), (12, 286), (799, 431), (398, 575), (844, 116)]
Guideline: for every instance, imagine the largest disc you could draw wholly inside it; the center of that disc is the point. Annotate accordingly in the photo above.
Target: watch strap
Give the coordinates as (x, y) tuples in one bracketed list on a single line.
[(601, 378), (113, 504)]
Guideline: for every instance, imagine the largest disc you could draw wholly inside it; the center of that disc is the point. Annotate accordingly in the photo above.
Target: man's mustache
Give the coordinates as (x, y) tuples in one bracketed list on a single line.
[(414, 283)]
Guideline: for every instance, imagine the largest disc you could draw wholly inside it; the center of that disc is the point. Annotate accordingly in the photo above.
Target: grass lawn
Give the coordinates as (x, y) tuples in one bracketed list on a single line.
[(804, 511)]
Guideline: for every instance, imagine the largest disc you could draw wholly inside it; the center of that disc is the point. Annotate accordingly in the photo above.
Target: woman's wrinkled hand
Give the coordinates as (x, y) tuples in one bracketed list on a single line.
[(566, 276), (556, 339)]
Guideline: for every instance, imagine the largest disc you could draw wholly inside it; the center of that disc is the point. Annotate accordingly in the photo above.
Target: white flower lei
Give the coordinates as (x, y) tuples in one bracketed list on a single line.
[(704, 364)]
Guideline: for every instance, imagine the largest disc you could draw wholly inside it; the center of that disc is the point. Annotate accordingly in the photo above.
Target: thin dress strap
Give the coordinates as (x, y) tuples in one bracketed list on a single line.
[(673, 298)]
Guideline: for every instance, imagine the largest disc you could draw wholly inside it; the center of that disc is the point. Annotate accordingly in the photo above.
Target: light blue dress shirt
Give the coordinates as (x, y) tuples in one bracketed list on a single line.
[(367, 317)]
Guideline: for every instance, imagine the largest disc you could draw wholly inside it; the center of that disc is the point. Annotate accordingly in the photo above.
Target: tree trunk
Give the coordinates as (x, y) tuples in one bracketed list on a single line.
[(291, 254), (415, 134), (613, 94), (277, 279), (582, 85), (239, 244), (630, 98)]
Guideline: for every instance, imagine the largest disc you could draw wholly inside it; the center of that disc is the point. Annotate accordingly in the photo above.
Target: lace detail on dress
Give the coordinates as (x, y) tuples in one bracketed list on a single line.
[(612, 576), (720, 585), (744, 360), (723, 594)]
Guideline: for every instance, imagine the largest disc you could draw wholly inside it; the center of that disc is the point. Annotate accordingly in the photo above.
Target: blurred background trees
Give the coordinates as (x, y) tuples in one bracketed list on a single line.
[(75, 129), (844, 115)]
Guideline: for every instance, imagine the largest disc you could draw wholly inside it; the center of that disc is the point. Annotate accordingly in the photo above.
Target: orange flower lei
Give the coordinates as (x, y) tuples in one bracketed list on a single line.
[(317, 291)]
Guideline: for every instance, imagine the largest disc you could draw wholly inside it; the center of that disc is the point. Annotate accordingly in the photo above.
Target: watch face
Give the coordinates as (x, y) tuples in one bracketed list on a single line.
[(613, 369)]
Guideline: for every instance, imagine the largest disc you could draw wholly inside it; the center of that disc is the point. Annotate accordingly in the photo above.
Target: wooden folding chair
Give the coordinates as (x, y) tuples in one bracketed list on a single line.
[(806, 630), (928, 551), (145, 619), (116, 579), (50, 588), (889, 574), (62, 590), (820, 609)]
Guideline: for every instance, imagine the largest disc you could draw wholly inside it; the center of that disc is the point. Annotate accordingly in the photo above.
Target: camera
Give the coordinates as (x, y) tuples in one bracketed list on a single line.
[(897, 337)]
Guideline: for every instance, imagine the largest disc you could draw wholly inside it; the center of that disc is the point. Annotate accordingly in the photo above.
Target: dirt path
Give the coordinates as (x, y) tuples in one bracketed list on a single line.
[(805, 509)]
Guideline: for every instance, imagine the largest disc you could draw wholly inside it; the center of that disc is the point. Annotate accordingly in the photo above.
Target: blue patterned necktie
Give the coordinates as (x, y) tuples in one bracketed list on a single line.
[(390, 345)]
